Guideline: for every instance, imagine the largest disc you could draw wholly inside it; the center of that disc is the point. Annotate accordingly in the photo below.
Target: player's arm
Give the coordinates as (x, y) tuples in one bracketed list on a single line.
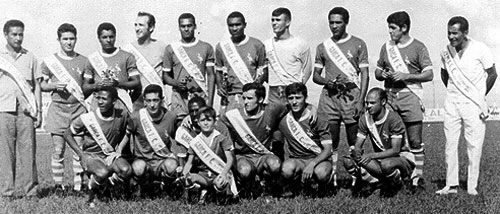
[(209, 68), (444, 77), (324, 155), (426, 75), (219, 68), (382, 71), (69, 137), (188, 165), (132, 83), (229, 163), (319, 64), (365, 79), (123, 143), (307, 65), (392, 152), (492, 77)]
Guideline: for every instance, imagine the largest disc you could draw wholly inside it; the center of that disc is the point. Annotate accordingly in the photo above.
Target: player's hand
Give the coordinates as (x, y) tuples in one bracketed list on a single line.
[(360, 107), (38, 121), (331, 84), (386, 74), (398, 76), (365, 159), (221, 91), (356, 154), (186, 122), (313, 117), (308, 172), (222, 179)]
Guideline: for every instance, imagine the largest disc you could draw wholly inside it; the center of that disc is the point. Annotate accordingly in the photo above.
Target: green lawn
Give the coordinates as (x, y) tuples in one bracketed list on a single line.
[(488, 200)]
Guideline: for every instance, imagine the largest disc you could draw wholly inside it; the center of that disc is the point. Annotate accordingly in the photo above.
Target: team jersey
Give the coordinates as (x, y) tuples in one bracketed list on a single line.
[(253, 53), (154, 54), (262, 126), (114, 129), (76, 67), (121, 65), (219, 145), (414, 54), (318, 131), (200, 53), (295, 58), (352, 47), (389, 127), (165, 127)]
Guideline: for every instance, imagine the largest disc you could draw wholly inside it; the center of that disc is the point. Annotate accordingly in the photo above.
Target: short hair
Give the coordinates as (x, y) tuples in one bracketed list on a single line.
[(400, 19), (12, 23), (198, 100), (382, 94), (208, 111), (187, 16), (111, 90), (236, 14), (296, 88), (340, 11), (66, 27), (151, 18), (462, 21), (153, 88), (105, 26), (260, 90), (281, 10)]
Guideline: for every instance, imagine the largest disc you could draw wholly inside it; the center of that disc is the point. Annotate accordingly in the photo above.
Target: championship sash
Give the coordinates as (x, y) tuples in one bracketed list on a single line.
[(152, 135), (245, 132), (275, 63), (93, 127), (300, 135), (190, 67), (183, 136), (398, 64), (341, 61), (211, 159), (373, 129), (28, 100), (463, 84), (236, 62), (62, 74), (100, 67)]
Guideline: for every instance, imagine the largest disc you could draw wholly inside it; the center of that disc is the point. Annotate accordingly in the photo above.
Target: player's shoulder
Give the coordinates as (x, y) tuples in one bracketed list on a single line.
[(357, 40), (204, 44), (480, 45), (123, 53), (417, 44), (393, 117), (254, 41), (300, 42), (122, 114)]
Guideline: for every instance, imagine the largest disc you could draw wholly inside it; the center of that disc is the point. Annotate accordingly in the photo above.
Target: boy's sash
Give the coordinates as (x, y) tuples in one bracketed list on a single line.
[(93, 127), (62, 74), (183, 136), (212, 160), (372, 127), (463, 84), (241, 127), (27, 100), (100, 67), (341, 61), (190, 67), (235, 61), (300, 135), (154, 139), (274, 61)]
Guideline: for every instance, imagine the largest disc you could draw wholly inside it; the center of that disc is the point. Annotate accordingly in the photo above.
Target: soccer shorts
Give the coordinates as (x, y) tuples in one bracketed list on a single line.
[(407, 105), (404, 165), (60, 115), (107, 160), (335, 107)]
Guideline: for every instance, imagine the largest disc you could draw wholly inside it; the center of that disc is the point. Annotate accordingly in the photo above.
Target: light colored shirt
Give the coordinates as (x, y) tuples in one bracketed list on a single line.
[(154, 53)]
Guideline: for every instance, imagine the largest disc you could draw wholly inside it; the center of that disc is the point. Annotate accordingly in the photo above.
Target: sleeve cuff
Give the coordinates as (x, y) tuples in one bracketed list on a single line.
[(317, 65), (134, 73), (360, 135), (363, 65), (208, 64), (326, 142), (396, 136)]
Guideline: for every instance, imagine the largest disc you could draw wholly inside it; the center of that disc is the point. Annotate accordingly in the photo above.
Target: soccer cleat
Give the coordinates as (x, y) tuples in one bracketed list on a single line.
[(448, 190)]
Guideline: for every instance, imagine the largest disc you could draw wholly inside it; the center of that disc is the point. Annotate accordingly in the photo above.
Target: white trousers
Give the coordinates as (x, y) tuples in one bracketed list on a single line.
[(456, 114)]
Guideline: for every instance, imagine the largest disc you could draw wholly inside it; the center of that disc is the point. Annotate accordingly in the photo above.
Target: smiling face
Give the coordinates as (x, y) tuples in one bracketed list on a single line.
[(236, 27), (455, 36), (337, 25), (207, 124), (107, 40), (142, 28), (67, 41), (152, 101), (187, 28), (297, 102), (15, 37), (280, 23)]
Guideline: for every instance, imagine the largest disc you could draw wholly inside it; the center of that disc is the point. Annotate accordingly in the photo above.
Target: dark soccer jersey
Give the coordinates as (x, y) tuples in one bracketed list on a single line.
[(219, 145), (121, 64), (391, 126)]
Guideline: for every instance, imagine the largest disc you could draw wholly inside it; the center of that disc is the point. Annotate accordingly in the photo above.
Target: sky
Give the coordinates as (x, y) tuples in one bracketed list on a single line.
[(309, 21)]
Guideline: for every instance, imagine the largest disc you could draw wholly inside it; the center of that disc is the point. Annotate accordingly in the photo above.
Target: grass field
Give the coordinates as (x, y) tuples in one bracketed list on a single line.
[(488, 200)]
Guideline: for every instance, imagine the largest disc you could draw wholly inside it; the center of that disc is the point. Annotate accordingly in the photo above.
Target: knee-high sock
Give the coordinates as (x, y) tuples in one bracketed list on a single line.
[(77, 174), (57, 170), (364, 175), (419, 165)]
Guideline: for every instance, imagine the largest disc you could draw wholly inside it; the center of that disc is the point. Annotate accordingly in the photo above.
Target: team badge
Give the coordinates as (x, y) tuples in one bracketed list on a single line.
[(249, 58), (200, 59)]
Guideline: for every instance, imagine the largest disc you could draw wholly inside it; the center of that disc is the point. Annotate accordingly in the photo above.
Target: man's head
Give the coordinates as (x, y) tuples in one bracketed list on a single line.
[(144, 25), (106, 97), (187, 26), (106, 32), (458, 29), (153, 98), (375, 101), (13, 31), (206, 118), (253, 95), (338, 18), (195, 104), (280, 20), (399, 25), (66, 35), (296, 94), (236, 24)]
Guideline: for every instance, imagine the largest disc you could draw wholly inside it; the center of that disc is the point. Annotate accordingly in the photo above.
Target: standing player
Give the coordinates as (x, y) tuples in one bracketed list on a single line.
[(148, 53), (309, 142), (103, 131), (188, 67), (390, 162), (344, 58), (112, 67), (403, 65), (288, 56), (239, 60), (65, 71), (468, 73), (20, 113)]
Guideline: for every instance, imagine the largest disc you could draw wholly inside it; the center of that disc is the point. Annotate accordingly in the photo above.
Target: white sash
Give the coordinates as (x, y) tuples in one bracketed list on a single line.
[(100, 67), (62, 74), (398, 64), (460, 80), (372, 127), (274, 61), (190, 67), (341, 61), (152, 135), (300, 135), (245, 132), (235, 61), (30, 102), (93, 127), (211, 159), (183, 136)]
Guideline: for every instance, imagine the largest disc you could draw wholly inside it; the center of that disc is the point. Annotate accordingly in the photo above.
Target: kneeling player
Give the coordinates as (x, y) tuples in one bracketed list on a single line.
[(210, 157), (104, 130), (309, 142), (391, 160)]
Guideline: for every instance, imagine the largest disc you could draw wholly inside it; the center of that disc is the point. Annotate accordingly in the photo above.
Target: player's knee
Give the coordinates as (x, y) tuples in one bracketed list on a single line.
[(387, 166), (101, 174), (348, 164), (322, 172), (288, 169), (169, 166), (244, 168), (139, 167), (273, 164), (124, 170), (58, 152)]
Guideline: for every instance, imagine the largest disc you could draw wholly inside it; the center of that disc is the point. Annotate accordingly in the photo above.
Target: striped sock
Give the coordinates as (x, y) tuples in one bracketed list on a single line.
[(57, 170), (367, 177), (419, 165), (396, 175), (335, 157), (93, 184), (78, 174), (115, 179)]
